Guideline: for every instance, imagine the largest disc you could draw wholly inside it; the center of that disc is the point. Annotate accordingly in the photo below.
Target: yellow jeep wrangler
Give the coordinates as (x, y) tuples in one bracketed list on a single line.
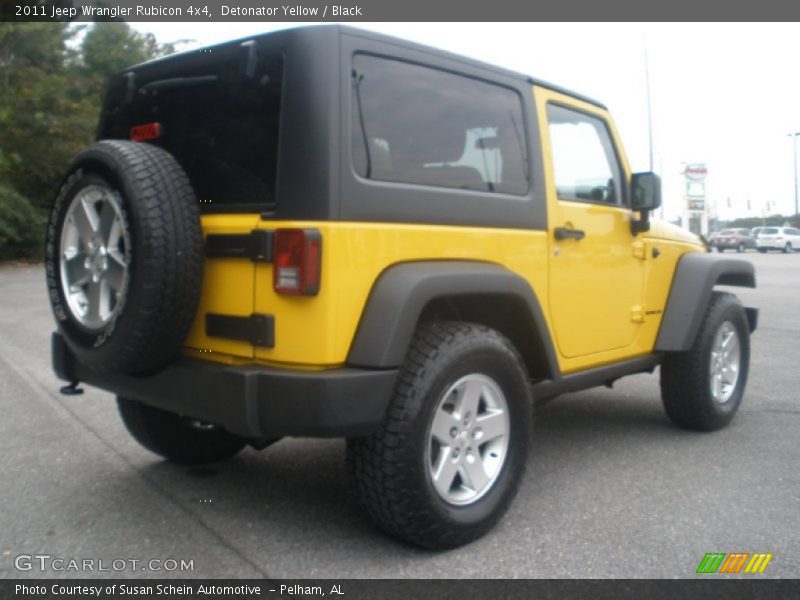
[(331, 233)]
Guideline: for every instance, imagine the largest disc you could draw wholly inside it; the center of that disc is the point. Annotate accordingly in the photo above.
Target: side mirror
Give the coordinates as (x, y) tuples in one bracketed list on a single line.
[(645, 196), (645, 191)]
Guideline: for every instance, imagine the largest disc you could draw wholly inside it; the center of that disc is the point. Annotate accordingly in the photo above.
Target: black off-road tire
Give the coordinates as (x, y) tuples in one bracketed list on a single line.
[(685, 376), (176, 438), (389, 470), (165, 257)]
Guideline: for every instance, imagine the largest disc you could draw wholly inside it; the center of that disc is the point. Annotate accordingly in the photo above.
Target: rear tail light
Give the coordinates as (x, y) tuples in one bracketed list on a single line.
[(296, 257), (146, 133)]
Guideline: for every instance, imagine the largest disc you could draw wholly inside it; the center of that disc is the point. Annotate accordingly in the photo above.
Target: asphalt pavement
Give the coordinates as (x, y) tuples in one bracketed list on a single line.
[(612, 489)]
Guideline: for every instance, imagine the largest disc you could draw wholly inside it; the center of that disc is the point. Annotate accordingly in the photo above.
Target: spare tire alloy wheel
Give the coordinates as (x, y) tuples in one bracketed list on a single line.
[(124, 257), (468, 440), (94, 256)]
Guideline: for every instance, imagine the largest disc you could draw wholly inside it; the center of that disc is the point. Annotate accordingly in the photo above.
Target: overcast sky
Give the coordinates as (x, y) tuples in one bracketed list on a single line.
[(726, 95)]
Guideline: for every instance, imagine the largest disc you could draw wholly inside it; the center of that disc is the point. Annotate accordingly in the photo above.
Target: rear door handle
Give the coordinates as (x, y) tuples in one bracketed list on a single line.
[(566, 233)]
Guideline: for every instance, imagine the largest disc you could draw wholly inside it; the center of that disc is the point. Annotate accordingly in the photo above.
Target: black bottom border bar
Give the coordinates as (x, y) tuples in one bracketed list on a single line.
[(399, 589)]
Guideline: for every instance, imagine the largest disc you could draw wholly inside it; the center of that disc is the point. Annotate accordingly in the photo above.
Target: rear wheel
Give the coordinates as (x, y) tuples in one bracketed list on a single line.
[(762, 250), (179, 439), (447, 459), (720, 249), (787, 248), (740, 248), (702, 388)]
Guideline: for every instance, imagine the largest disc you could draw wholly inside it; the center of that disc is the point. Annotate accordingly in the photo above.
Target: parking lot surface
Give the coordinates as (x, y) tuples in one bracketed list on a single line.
[(612, 489)]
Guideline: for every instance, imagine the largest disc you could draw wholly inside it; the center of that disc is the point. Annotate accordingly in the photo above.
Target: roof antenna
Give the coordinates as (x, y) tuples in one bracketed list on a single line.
[(649, 103), (650, 115)]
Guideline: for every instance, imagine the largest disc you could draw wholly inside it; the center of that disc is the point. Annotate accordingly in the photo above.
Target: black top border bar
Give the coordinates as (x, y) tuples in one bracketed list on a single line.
[(354, 11)]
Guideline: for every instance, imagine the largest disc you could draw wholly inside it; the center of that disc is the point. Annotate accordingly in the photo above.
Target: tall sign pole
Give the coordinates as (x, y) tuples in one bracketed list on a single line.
[(696, 209), (794, 146)]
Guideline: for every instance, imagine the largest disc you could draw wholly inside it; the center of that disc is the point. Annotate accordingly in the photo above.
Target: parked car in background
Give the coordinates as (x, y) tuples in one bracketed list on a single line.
[(734, 239), (754, 231), (786, 239), (712, 235)]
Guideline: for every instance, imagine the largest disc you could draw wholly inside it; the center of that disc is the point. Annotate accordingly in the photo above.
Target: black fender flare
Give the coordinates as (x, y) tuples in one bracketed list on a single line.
[(695, 277), (402, 291)]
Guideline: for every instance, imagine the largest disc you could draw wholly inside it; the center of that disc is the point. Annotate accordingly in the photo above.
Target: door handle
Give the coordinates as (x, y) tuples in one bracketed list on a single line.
[(566, 233)]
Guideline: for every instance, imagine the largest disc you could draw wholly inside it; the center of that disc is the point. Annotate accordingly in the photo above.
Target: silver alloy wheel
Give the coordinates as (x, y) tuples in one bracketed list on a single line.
[(94, 256), (725, 363), (468, 439)]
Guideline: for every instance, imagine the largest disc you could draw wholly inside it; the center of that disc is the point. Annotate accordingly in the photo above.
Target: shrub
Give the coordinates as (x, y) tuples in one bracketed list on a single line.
[(22, 226)]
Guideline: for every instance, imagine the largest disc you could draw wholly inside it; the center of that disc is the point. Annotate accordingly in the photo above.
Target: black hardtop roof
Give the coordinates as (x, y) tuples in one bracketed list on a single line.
[(318, 30)]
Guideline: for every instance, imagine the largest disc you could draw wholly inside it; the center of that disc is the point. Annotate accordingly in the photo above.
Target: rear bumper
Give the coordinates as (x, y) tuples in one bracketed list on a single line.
[(771, 244), (252, 401), (732, 245)]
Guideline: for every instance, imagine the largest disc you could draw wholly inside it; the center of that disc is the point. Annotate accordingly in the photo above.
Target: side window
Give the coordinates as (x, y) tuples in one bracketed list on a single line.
[(584, 161), (414, 124)]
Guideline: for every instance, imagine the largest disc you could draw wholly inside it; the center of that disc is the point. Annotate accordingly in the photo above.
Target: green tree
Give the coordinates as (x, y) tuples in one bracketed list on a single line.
[(21, 226), (51, 90), (42, 108), (111, 47)]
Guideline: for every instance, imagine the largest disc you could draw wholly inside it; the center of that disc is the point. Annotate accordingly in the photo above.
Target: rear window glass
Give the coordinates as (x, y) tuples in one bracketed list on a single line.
[(727, 232), (414, 124), (219, 119), (768, 231)]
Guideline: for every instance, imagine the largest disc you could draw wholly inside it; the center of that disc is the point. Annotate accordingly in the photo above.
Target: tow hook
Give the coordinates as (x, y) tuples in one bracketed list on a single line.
[(72, 389)]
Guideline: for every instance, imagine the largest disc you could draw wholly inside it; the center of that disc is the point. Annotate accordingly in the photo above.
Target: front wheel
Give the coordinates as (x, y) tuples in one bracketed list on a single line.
[(702, 388), (448, 457), (177, 438)]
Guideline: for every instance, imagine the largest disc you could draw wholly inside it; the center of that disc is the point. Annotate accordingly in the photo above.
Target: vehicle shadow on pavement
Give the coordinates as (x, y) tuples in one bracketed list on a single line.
[(296, 491)]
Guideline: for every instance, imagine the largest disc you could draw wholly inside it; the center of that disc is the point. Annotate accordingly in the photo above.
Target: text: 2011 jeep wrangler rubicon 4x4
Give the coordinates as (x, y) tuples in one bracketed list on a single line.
[(325, 232)]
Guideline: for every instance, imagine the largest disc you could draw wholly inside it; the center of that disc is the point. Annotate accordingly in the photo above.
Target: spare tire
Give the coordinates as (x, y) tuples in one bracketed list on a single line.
[(124, 257)]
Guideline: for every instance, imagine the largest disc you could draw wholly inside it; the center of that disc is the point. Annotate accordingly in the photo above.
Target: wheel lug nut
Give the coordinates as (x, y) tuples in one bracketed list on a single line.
[(454, 432)]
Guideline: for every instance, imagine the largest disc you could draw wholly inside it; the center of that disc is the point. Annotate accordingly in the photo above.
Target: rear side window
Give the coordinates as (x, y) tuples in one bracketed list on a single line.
[(414, 124), (219, 117)]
